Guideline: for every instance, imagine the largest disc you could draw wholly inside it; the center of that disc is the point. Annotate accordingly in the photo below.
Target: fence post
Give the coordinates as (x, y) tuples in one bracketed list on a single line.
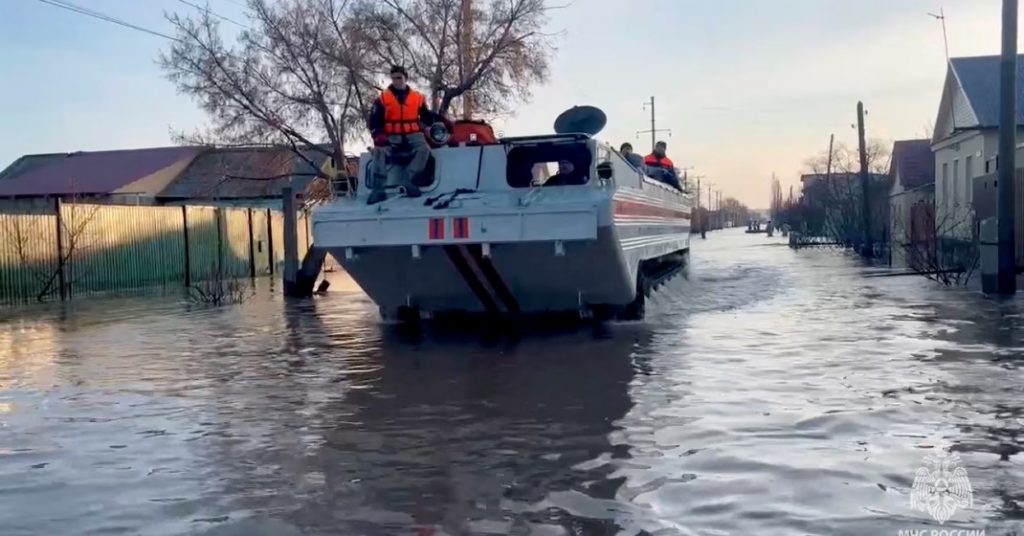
[(270, 240), (291, 239), (252, 246), (60, 248), (218, 215), (188, 254)]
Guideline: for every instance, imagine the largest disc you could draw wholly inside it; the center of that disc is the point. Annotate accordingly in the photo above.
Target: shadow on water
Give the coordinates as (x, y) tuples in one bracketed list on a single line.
[(442, 432)]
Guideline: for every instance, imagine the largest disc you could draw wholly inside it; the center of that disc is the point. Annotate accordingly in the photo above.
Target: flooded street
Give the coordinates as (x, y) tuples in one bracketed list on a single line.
[(775, 392)]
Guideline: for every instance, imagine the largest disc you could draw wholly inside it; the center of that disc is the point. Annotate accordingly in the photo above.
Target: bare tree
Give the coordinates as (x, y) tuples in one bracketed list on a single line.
[(20, 232), (943, 249), (496, 48), (76, 239), (834, 199), (220, 288), (845, 159), (295, 77)]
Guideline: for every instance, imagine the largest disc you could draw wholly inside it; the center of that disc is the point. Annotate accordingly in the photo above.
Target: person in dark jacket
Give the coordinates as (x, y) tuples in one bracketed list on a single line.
[(626, 150), (397, 121)]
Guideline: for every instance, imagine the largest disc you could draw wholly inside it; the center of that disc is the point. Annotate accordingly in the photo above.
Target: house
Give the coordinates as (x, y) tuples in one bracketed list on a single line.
[(911, 198), (132, 176), (245, 176), (966, 139)]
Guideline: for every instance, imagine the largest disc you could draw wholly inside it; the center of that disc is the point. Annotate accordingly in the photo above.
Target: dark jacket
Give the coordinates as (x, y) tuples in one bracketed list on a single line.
[(376, 120)]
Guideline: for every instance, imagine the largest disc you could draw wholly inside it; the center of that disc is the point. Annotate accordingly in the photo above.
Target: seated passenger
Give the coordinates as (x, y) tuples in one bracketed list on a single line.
[(396, 123), (626, 150), (566, 175), (661, 167)]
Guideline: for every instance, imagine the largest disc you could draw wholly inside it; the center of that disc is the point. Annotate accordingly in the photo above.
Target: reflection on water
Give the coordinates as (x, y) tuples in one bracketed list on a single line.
[(776, 392)]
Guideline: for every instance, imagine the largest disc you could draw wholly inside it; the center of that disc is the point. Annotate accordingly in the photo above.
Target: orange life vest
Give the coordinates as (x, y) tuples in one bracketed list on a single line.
[(402, 118), (664, 162)]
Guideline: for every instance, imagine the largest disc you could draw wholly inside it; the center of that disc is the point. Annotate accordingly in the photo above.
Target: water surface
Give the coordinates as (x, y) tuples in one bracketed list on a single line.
[(775, 392)]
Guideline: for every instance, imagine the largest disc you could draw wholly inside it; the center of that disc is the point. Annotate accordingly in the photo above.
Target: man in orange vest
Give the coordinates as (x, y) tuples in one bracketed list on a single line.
[(661, 166), (396, 122)]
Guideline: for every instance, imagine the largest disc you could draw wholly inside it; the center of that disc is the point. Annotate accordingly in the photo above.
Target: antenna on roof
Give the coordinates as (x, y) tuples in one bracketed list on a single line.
[(945, 37)]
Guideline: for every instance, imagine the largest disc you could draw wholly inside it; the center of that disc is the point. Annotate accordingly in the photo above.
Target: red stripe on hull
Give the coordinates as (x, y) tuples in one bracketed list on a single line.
[(636, 208)]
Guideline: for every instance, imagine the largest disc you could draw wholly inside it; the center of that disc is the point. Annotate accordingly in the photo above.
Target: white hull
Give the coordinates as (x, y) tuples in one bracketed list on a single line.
[(500, 250)]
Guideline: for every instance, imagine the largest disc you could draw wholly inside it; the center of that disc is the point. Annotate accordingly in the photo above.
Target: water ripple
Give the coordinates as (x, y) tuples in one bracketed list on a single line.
[(773, 392)]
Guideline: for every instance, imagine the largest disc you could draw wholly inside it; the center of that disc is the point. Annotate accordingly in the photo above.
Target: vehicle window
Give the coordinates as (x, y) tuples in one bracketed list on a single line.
[(549, 165)]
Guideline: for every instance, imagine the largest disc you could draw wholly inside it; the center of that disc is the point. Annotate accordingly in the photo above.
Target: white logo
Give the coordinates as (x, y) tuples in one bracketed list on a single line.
[(941, 486)]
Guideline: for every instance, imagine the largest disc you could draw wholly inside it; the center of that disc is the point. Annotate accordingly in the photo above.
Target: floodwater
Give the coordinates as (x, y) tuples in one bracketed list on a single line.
[(774, 392)]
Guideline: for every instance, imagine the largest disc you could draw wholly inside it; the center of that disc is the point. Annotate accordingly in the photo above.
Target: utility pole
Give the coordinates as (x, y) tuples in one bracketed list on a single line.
[(697, 211), (721, 219), (866, 250), (1007, 275), (466, 44), (654, 126), (710, 208), (828, 168)]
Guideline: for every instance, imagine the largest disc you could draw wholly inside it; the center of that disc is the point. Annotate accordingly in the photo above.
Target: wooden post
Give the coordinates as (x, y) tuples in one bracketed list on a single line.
[(188, 254), (60, 249), (270, 241), (218, 214), (252, 247), (309, 238), (291, 241), (866, 248)]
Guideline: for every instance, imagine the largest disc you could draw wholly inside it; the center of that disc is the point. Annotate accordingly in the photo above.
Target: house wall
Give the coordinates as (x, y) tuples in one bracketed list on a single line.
[(953, 177), (901, 205), (954, 191)]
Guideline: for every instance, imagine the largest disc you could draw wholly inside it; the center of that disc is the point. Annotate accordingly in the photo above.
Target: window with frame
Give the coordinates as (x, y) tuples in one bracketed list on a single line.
[(956, 182), (945, 183)]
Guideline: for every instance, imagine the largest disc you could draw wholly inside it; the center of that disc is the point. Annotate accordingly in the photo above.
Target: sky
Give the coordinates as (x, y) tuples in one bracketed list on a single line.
[(749, 88)]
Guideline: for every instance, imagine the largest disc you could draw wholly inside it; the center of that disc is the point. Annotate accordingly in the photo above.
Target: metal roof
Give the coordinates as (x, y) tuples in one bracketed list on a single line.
[(979, 78), (914, 161), (235, 173), (87, 173)]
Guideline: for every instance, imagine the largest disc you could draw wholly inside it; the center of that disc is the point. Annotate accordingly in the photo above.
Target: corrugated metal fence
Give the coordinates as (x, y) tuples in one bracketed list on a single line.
[(104, 248)]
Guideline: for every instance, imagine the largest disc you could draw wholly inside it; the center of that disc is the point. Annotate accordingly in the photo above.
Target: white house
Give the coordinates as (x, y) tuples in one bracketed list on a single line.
[(966, 139)]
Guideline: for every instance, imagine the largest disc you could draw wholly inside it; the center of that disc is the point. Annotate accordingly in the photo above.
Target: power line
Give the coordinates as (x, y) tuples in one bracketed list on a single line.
[(212, 12), (63, 4)]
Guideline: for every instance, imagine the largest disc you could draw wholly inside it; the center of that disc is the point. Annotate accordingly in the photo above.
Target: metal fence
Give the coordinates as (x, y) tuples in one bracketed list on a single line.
[(984, 202), (81, 249)]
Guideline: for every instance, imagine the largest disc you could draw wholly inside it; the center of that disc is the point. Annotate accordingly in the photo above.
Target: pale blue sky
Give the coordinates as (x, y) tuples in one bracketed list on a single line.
[(748, 87)]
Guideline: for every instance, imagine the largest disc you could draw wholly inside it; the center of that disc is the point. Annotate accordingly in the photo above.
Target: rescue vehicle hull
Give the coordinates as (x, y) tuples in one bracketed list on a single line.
[(474, 245)]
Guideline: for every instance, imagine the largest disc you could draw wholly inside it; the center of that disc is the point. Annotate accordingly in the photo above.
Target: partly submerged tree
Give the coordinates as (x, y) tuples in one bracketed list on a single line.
[(301, 73), (486, 53), (294, 76)]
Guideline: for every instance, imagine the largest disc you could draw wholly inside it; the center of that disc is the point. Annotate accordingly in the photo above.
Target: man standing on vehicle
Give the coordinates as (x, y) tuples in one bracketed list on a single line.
[(396, 123)]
